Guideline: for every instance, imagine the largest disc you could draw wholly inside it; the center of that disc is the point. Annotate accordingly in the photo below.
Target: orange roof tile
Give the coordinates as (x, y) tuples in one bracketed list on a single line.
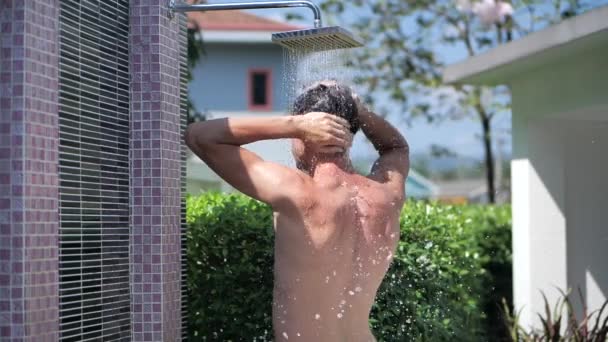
[(235, 21)]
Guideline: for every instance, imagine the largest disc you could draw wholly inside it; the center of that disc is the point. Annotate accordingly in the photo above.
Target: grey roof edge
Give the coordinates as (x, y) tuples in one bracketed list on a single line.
[(470, 70), (416, 176)]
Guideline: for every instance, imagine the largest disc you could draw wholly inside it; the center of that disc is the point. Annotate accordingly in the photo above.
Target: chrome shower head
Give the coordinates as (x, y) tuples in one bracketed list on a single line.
[(317, 39)]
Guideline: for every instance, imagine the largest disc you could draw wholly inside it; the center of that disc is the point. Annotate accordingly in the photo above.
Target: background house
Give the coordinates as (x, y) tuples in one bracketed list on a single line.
[(240, 56), (558, 79), (419, 187), (468, 190), (462, 191)]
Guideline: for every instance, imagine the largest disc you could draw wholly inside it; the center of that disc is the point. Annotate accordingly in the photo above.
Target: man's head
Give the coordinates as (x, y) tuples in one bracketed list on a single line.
[(327, 97)]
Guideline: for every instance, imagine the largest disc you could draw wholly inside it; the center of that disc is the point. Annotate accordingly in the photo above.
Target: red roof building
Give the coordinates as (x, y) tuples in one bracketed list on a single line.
[(235, 21)]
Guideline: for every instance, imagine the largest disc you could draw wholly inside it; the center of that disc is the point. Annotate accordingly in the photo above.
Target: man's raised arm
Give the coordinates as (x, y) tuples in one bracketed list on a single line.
[(393, 164), (218, 144)]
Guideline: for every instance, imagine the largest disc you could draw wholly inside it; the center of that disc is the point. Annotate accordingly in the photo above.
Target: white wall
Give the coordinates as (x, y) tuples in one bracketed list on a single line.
[(539, 224), (587, 209), (559, 185)]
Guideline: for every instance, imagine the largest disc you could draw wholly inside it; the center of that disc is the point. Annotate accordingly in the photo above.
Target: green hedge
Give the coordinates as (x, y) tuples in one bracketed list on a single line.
[(437, 289)]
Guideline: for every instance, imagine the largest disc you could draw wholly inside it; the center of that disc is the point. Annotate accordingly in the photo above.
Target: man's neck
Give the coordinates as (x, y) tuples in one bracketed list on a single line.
[(329, 164)]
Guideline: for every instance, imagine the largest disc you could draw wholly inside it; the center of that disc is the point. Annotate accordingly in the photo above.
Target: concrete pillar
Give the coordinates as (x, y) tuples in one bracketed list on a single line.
[(539, 224), (29, 220), (155, 172), (586, 202)]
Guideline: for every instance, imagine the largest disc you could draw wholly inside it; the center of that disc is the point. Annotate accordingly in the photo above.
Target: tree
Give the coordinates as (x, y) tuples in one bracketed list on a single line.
[(196, 51), (405, 52)]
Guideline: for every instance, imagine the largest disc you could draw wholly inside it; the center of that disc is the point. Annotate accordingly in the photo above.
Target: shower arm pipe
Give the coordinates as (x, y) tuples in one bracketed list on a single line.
[(181, 7)]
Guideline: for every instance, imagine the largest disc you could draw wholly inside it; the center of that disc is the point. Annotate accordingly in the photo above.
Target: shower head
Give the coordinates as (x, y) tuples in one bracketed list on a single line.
[(317, 39)]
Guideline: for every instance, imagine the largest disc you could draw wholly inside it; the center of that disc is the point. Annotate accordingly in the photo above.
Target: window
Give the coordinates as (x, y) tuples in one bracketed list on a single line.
[(260, 89)]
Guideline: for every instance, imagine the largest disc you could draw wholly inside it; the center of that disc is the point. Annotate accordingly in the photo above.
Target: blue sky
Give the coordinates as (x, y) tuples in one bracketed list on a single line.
[(461, 136)]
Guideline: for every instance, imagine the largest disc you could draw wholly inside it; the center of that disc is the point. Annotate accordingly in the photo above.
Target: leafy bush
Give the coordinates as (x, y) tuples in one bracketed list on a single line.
[(230, 268), (435, 289), (493, 235), (455, 263)]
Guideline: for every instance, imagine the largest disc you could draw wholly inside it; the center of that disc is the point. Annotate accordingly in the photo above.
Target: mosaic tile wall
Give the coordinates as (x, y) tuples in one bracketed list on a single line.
[(156, 157), (28, 170)]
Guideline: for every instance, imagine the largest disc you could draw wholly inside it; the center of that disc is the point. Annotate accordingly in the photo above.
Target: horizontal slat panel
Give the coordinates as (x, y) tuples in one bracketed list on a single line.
[(94, 170), (183, 65)]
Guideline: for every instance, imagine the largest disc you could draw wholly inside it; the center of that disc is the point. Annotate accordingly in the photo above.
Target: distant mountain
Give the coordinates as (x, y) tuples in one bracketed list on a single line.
[(436, 165), (448, 163)]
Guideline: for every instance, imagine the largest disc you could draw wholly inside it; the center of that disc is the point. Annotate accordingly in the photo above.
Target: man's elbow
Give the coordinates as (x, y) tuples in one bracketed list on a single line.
[(399, 146), (194, 137), (406, 148), (401, 143), (189, 136)]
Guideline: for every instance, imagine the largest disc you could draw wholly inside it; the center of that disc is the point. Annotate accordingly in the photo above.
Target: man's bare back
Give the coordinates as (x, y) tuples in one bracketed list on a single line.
[(331, 257), (336, 231)]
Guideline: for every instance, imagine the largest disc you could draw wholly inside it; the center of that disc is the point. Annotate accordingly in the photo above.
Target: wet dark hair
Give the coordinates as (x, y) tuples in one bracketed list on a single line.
[(332, 99)]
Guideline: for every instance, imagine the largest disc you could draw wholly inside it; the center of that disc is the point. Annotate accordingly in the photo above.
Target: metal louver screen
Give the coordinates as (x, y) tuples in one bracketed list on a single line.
[(94, 170), (183, 92)]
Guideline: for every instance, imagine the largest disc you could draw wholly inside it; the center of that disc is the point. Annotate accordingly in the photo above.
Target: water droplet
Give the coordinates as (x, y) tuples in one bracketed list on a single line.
[(428, 245), (358, 289), (422, 259), (342, 302), (351, 293), (298, 334), (285, 335), (317, 317), (339, 315)]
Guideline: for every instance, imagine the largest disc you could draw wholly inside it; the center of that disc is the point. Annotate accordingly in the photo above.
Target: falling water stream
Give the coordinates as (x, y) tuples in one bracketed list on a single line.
[(303, 68)]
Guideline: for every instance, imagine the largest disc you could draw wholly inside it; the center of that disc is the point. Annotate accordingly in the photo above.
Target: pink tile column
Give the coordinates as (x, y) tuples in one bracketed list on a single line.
[(29, 220), (155, 172)]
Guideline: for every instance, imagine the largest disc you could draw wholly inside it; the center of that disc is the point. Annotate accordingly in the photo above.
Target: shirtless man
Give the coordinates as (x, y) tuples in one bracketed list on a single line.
[(336, 231)]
